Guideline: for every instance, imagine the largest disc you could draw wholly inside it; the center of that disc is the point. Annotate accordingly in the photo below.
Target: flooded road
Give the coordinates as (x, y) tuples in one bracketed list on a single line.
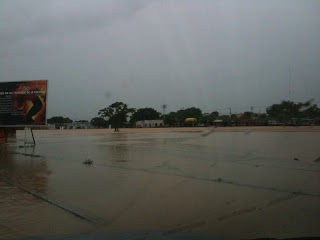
[(240, 184)]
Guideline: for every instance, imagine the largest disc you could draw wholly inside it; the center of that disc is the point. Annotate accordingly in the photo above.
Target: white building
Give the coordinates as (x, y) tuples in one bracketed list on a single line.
[(79, 125), (149, 123)]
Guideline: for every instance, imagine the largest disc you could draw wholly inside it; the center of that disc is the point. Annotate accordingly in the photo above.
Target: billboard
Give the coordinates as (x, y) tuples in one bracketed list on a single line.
[(23, 103)]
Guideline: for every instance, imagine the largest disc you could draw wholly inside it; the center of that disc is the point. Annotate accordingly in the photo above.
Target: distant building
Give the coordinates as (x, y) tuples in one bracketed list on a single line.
[(241, 119), (149, 123), (301, 122), (51, 126), (79, 125), (218, 122), (316, 121)]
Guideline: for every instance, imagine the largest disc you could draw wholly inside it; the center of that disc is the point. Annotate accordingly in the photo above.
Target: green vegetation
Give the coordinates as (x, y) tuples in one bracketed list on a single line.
[(59, 119), (284, 113), (207, 118), (116, 113), (178, 118), (287, 110), (99, 122), (145, 114)]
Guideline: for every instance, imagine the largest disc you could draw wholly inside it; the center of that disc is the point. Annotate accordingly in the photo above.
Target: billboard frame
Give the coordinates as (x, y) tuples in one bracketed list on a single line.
[(30, 125)]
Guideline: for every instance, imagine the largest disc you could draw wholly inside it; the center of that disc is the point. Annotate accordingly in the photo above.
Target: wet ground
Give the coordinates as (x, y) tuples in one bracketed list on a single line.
[(238, 184)]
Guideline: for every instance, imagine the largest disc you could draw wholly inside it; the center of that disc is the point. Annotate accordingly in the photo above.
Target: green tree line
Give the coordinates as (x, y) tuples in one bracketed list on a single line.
[(117, 114)]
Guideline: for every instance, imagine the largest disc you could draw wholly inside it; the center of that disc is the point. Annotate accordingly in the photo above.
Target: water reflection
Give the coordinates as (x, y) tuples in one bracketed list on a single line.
[(167, 181), (21, 168), (120, 149)]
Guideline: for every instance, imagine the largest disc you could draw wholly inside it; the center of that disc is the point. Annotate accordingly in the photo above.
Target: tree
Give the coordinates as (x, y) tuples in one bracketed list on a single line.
[(214, 115), (59, 119), (116, 113), (248, 115), (145, 114), (99, 122), (310, 111), (171, 119), (192, 112), (226, 120), (284, 111), (208, 118), (205, 119)]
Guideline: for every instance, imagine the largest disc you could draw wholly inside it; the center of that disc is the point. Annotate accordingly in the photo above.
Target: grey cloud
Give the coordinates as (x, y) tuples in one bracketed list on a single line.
[(210, 54), (31, 19)]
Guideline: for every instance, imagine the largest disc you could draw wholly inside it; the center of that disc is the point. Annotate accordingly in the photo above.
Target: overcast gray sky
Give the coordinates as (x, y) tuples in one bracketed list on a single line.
[(205, 53)]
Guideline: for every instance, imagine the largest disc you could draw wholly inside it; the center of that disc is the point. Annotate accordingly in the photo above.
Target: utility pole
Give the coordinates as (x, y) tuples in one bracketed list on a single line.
[(230, 111), (164, 106)]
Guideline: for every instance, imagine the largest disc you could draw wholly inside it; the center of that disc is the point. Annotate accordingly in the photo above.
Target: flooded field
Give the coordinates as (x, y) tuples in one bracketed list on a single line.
[(244, 184)]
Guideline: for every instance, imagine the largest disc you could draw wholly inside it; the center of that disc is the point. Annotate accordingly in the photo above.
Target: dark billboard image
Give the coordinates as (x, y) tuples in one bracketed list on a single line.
[(23, 103)]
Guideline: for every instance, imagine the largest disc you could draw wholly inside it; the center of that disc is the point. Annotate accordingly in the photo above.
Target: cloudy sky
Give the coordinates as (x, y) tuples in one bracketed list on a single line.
[(206, 53)]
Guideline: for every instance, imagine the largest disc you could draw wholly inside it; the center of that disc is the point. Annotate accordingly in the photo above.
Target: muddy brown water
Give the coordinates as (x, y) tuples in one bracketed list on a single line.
[(241, 184)]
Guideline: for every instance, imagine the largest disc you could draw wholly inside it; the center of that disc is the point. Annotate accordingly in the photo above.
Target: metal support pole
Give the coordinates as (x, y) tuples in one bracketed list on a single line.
[(5, 135), (25, 136), (34, 142)]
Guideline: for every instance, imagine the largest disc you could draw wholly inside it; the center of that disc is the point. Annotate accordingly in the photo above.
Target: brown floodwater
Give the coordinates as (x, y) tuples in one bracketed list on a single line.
[(238, 184)]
